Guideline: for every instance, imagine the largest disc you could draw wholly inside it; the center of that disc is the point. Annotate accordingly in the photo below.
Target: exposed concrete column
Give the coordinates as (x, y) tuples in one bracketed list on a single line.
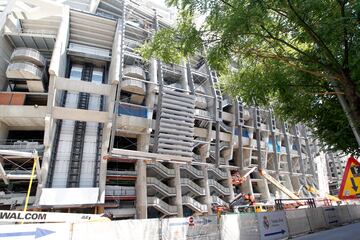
[(238, 124), (184, 83), (3, 131), (150, 98), (177, 183), (239, 156), (205, 185), (288, 147), (141, 190), (103, 161), (298, 143), (272, 125), (140, 185), (265, 135), (205, 181), (49, 132), (257, 126), (227, 154), (105, 142), (309, 153)]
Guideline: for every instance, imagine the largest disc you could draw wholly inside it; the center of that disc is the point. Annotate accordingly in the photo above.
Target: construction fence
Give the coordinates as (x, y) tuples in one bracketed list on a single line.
[(257, 226)]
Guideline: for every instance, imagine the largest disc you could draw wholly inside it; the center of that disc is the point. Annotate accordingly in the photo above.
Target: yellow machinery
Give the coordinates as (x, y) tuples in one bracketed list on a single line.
[(256, 208), (315, 191)]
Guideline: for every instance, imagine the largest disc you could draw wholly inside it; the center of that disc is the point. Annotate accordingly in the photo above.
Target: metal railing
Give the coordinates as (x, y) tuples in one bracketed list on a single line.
[(22, 145), (162, 206), (195, 205), (193, 171), (129, 84), (119, 191), (19, 54), (218, 201), (162, 169), (196, 188), (203, 114), (223, 190), (218, 172), (121, 173), (25, 66), (156, 183), (134, 71)]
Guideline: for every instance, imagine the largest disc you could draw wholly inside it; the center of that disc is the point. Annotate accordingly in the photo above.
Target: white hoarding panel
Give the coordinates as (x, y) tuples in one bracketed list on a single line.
[(54, 231), (174, 228), (331, 216), (147, 229), (272, 225)]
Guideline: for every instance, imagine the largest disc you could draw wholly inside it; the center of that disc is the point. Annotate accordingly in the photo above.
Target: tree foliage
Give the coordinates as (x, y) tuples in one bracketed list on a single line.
[(289, 54)]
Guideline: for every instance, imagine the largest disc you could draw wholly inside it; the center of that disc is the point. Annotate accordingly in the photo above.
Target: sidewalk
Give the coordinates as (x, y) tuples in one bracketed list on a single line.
[(351, 231)]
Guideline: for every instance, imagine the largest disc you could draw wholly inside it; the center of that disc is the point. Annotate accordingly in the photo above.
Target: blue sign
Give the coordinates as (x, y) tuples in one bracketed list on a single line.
[(38, 233)]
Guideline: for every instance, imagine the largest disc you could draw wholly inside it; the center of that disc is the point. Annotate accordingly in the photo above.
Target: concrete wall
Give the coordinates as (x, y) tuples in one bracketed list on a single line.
[(3, 131)]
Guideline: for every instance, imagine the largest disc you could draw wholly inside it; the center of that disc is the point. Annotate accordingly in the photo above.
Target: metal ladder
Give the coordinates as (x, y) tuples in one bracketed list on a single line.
[(219, 99), (98, 146), (77, 148)]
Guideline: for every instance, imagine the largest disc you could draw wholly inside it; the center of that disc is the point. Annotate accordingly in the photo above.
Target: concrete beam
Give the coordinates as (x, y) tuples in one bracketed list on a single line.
[(13, 111), (82, 86), (79, 115), (16, 153), (149, 156)]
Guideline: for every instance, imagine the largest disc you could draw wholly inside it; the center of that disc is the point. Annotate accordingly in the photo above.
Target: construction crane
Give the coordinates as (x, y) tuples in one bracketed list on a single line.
[(237, 179), (277, 184)]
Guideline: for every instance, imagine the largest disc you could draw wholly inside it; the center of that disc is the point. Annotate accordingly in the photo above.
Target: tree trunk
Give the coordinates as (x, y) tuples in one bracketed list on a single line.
[(353, 100)]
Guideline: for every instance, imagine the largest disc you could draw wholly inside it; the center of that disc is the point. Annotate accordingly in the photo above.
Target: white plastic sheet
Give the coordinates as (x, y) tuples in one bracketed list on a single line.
[(124, 230), (68, 196)]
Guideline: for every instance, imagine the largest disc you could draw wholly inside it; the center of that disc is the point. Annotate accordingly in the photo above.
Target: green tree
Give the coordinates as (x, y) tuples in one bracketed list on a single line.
[(289, 54)]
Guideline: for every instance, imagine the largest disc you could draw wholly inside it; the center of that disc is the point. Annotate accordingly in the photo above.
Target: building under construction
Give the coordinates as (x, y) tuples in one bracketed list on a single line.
[(117, 134)]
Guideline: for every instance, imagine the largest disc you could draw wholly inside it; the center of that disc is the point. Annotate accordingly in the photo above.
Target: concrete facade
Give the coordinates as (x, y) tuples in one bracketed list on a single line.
[(149, 139), (335, 163)]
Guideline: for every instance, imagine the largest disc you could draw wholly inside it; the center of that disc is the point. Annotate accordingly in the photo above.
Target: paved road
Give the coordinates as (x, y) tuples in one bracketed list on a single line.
[(350, 232)]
